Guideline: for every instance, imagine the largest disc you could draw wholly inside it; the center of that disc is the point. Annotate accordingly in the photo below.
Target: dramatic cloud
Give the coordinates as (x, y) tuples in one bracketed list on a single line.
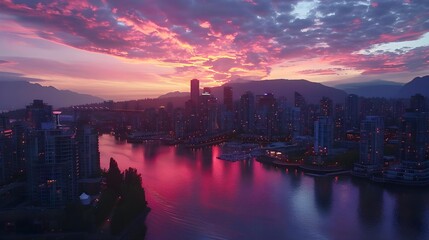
[(224, 40)]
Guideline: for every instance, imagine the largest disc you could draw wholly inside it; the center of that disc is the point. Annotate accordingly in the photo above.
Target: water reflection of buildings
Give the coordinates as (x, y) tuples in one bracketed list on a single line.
[(206, 159), (295, 177), (323, 194), (247, 168), (151, 150), (410, 212), (370, 205)]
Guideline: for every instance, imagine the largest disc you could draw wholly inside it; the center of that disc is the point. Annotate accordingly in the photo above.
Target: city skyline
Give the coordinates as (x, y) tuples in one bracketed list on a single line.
[(133, 50), (184, 157)]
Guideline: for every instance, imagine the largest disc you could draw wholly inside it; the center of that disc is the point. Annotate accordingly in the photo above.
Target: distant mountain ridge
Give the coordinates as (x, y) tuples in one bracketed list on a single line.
[(18, 94), (375, 88), (417, 85), (174, 94), (388, 89), (311, 91)]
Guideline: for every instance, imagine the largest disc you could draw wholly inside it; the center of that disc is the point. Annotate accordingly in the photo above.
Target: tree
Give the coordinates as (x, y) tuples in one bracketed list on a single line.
[(132, 203), (114, 177), (132, 178)]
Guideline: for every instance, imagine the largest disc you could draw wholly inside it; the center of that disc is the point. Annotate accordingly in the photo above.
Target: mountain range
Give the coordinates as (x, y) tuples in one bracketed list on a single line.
[(18, 94), (313, 92), (388, 89), (417, 85), (375, 88)]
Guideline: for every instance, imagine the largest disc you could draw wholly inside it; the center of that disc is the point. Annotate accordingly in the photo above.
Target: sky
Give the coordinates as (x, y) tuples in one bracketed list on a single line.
[(133, 49)]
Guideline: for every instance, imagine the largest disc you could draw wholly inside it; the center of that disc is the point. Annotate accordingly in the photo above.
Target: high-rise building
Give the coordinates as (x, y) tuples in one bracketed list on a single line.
[(207, 112), (88, 155), (51, 159), (372, 141), (299, 100), (162, 120), (195, 91), (7, 168), (339, 130), (227, 114), (415, 138), (20, 135), (4, 121), (207, 90), (414, 153), (418, 103), (227, 98), (323, 135), (267, 115), (352, 112), (52, 168), (247, 112), (326, 107), (308, 114), (39, 112), (179, 123), (297, 123)]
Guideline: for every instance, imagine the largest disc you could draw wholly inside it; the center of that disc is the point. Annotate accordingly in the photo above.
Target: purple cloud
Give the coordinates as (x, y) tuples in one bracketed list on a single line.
[(247, 35)]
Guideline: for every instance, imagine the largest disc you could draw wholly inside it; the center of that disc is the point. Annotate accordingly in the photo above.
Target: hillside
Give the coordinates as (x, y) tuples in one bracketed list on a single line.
[(417, 85), (375, 88), (311, 91), (18, 94)]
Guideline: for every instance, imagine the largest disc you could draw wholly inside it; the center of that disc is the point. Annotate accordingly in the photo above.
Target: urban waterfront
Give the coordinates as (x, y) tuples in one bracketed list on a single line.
[(194, 195)]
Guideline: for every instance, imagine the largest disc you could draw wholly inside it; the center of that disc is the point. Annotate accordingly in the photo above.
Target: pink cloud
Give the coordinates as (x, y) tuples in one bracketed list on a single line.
[(224, 39)]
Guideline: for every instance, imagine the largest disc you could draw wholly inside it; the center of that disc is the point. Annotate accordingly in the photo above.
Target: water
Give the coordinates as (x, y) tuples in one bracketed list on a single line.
[(193, 195)]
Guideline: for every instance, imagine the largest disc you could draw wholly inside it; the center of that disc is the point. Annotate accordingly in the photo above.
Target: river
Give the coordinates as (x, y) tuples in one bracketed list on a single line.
[(194, 195)]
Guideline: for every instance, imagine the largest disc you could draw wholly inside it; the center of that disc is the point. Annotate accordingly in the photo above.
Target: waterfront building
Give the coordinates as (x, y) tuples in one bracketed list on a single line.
[(323, 135), (415, 138), (207, 114), (414, 152), (371, 147)]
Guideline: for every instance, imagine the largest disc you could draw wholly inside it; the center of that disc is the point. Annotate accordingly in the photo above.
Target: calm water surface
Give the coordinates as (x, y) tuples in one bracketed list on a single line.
[(194, 195)]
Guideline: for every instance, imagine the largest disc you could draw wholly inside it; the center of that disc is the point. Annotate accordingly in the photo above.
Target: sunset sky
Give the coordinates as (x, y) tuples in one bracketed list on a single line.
[(131, 49)]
